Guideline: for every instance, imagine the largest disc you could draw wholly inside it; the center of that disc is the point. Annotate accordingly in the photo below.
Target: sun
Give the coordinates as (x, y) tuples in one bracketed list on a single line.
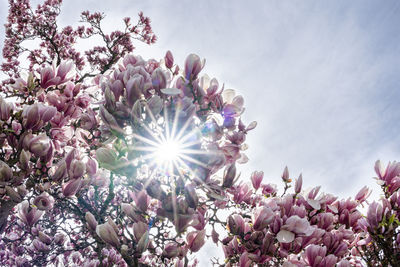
[(170, 146), (168, 152)]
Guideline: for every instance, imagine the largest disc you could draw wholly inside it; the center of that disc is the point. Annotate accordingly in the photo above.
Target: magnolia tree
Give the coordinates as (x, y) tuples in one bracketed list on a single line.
[(108, 159)]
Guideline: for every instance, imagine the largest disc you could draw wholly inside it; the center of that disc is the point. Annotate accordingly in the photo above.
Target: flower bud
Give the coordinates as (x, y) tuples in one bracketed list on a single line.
[(298, 184), (91, 221), (139, 229), (109, 120), (236, 224), (193, 66), (61, 171), (143, 243), (214, 236), (40, 246), (13, 194), (71, 187), (59, 238), (159, 79), (171, 250), (24, 158), (285, 175), (106, 157), (191, 196), (6, 173), (256, 179), (91, 166), (77, 169), (46, 113), (31, 116), (229, 176), (169, 59), (5, 109), (134, 89), (106, 232), (44, 238)]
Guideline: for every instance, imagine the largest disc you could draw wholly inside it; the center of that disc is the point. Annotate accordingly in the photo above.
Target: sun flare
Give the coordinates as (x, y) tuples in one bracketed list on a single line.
[(168, 152)]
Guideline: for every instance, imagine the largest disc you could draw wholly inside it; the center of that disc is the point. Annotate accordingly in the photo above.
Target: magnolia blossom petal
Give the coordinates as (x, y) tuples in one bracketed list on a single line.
[(285, 236)]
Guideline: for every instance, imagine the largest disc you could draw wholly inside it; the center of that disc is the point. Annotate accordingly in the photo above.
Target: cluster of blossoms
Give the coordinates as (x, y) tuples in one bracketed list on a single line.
[(83, 181), (26, 24), (294, 229)]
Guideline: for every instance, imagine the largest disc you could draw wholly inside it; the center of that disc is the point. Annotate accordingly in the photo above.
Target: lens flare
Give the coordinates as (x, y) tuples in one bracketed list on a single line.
[(167, 152)]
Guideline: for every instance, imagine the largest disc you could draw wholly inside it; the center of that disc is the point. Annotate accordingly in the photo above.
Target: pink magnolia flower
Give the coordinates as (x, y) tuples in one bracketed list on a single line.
[(139, 229), (5, 109), (61, 171), (143, 243), (374, 215), (6, 173), (40, 246), (91, 221), (256, 179), (316, 256), (390, 176), (45, 238), (106, 157), (92, 166), (44, 201), (38, 145), (77, 169), (363, 194), (268, 189), (88, 120), (142, 200), (159, 79), (193, 66), (293, 226), (195, 240), (285, 175), (83, 101), (71, 187), (24, 158), (30, 116), (171, 250), (262, 217), (229, 176), (298, 184), (107, 233), (29, 215), (169, 59), (236, 224), (244, 260), (51, 76)]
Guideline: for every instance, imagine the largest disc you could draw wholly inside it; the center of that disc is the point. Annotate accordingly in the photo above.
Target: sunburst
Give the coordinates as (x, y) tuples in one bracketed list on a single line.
[(169, 149)]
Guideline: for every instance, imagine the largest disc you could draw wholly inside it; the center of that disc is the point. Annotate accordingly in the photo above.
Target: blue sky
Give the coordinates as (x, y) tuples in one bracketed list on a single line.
[(320, 77)]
